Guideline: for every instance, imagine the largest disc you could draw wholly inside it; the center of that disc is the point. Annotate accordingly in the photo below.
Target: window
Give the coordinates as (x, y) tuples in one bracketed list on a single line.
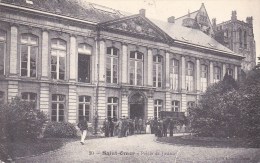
[(189, 76), (158, 106), (28, 96), (176, 106), (230, 72), (84, 107), (240, 38), (226, 33), (29, 53), (84, 68), (2, 96), (58, 54), (2, 52), (174, 74), (112, 105), (112, 65), (204, 77), (136, 68), (245, 39), (157, 71), (217, 74), (58, 108)]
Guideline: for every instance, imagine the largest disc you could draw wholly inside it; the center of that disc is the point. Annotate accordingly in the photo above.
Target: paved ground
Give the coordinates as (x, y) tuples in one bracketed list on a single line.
[(143, 148)]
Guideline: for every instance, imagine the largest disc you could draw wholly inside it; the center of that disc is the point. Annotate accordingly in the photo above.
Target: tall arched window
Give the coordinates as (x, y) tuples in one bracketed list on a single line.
[(84, 107), (217, 74), (112, 65), (189, 76), (158, 106), (58, 108), (112, 107), (84, 63), (174, 74), (204, 77), (245, 39), (136, 68), (29, 54), (157, 71), (240, 38), (2, 51), (58, 57)]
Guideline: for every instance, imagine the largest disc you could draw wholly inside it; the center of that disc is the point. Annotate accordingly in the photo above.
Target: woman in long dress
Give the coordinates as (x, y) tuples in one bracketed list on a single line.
[(148, 127)]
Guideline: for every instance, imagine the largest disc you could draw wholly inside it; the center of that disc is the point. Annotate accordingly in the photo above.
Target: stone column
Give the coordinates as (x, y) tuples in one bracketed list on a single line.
[(223, 70), (45, 55), (12, 90), (13, 51), (183, 74), (102, 61), (235, 73), (167, 69), (72, 58), (198, 82), (124, 107), (150, 67), (211, 73), (72, 109), (183, 86), (124, 64), (44, 97)]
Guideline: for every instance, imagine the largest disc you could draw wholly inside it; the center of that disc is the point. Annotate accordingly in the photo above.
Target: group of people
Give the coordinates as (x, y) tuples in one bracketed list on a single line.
[(125, 126), (122, 127)]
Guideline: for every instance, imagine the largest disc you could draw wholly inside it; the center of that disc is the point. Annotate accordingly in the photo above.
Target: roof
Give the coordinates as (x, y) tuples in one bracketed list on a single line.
[(72, 8), (190, 35)]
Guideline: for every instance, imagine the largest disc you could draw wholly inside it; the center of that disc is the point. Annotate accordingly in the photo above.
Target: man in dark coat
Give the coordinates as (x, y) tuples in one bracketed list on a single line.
[(106, 127), (165, 126), (171, 127), (83, 126), (111, 127)]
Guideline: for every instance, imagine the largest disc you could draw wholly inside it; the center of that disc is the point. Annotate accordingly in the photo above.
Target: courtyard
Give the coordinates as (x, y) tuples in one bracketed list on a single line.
[(143, 148)]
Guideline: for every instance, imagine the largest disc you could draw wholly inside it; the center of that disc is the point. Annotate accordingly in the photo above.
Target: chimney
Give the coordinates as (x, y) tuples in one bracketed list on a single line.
[(234, 16), (249, 20), (142, 12), (171, 19)]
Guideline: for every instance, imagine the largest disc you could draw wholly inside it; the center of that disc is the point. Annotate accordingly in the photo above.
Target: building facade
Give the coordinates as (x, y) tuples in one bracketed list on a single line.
[(238, 36), (78, 59)]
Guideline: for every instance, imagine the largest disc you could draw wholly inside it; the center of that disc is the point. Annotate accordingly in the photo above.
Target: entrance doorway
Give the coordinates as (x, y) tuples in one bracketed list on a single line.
[(136, 110), (137, 106)]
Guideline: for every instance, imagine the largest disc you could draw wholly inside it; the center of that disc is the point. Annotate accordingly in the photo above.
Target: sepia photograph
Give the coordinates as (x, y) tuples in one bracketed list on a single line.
[(129, 81)]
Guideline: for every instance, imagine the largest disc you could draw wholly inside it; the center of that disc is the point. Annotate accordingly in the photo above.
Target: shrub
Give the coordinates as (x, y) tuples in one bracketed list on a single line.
[(60, 130), (22, 119)]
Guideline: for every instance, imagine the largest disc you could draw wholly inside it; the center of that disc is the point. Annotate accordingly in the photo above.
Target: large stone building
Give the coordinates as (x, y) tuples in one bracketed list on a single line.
[(238, 36), (79, 59)]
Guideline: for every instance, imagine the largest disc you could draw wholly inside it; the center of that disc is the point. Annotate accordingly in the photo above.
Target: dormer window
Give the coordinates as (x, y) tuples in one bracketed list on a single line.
[(29, 2)]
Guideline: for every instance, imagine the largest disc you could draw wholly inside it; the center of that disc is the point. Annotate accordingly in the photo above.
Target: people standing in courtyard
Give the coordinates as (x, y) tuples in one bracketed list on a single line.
[(171, 127), (83, 126), (140, 125), (165, 126), (136, 124), (106, 127), (159, 128), (148, 126), (119, 127), (111, 127)]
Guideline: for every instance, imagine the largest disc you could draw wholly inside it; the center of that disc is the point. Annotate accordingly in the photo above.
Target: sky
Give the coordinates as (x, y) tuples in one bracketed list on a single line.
[(219, 9)]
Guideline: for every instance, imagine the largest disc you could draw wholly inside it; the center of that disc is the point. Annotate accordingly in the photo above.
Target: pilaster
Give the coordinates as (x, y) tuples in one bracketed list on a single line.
[(102, 61), (124, 64), (168, 101), (44, 97), (45, 54), (13, 51), (124, 107), (150, 105), (12, 90), (150, 67), (167, 69), (72, 109), (198, 81), (224, 70), (183, 74), (72, 58), (211, 72), (235, 73), (101, 104), (184, 103)]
